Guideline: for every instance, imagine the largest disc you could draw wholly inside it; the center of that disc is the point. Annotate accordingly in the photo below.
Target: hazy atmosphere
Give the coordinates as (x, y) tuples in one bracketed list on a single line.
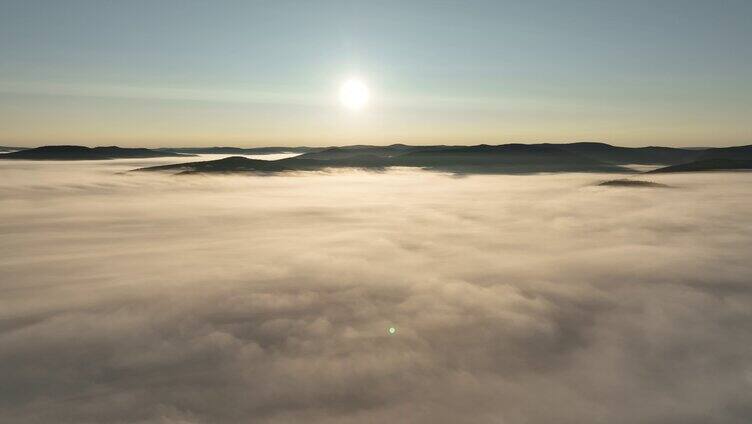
[(426, 211), (172, 73)]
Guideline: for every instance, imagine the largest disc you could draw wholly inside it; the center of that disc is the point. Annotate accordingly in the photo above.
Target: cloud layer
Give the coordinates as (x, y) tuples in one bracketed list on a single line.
[(516, 299)]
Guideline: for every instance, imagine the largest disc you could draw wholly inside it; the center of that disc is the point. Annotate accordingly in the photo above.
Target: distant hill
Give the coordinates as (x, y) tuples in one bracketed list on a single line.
[(707, 165), (345, 152), (737, 152), (604, 153), (506, 159), (632, 155), (240, 150), (514, 158), (229, 164), (87, 153), (631, 183)]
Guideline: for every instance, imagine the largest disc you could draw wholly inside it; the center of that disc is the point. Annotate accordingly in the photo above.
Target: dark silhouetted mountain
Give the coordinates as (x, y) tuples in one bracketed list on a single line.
[(229, 164), (737, 152), (632, 183), (240, 150), (505, 158), (502, 159), (708, 165), (344, 152), (602, 152), (86, 153), (509, 158), (632, 155), (10, 149)]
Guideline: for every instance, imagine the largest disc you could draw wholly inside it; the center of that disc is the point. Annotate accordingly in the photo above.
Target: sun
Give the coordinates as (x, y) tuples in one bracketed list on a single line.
[(354, 94)]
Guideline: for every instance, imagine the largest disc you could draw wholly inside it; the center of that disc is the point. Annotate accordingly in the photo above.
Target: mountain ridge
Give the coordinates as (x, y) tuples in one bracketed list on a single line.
[(73, 152)]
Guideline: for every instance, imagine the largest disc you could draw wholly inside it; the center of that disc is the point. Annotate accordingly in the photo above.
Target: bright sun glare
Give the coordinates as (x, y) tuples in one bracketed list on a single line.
[(353, 94)]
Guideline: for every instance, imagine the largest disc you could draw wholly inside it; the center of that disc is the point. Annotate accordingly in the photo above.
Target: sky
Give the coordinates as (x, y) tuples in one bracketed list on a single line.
[(267, 73)]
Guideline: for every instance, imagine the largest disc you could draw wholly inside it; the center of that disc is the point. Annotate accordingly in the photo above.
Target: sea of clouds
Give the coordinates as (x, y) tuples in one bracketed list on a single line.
[(148, 298)]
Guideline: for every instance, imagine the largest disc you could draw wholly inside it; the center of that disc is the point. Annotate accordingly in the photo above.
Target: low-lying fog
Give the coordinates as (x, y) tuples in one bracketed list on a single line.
[(234, 299)]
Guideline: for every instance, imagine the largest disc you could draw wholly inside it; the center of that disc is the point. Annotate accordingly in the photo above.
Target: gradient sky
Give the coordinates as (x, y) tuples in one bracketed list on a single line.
[(189, 73)]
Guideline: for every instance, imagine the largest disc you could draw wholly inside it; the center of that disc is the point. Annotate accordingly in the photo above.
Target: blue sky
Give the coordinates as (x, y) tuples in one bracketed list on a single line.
[(187, 73)]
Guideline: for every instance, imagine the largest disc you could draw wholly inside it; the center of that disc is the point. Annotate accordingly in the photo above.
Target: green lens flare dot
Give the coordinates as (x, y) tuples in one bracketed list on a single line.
[(392, 330)]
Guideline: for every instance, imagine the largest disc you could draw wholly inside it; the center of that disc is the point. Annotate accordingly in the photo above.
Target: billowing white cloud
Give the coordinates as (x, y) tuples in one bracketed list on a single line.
[(516, 299)]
